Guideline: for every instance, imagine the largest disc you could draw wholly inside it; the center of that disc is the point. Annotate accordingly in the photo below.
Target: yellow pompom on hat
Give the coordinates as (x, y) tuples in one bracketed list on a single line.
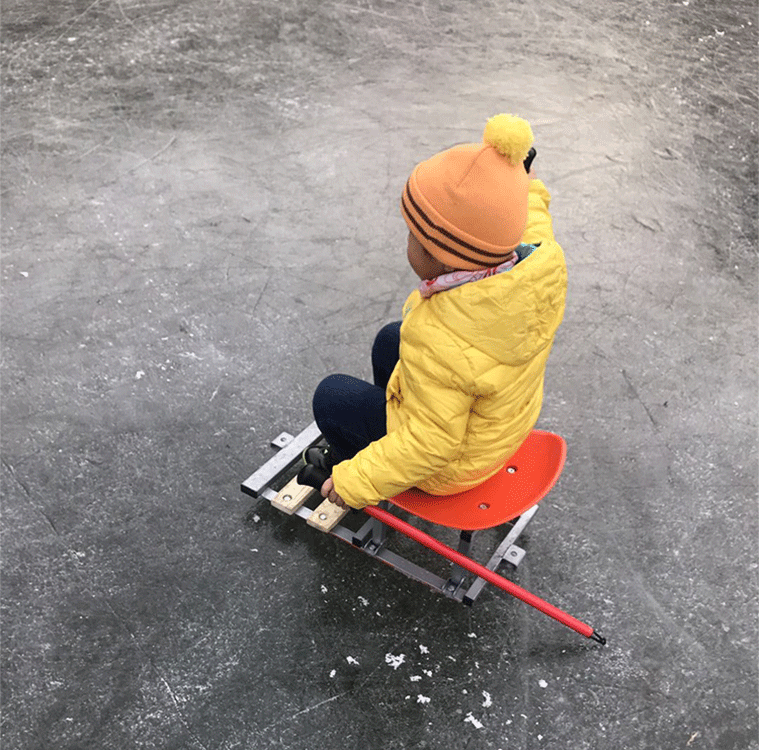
[(468, 205)]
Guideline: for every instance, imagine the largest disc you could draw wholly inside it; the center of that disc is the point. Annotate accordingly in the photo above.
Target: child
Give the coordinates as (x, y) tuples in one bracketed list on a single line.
[(458, 385)]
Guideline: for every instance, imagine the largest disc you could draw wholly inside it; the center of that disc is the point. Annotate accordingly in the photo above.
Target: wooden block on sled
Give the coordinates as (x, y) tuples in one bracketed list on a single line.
[(326, 516), (292, 496)]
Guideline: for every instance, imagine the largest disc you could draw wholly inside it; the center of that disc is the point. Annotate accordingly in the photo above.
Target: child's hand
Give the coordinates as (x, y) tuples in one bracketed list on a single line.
[(328, 491)]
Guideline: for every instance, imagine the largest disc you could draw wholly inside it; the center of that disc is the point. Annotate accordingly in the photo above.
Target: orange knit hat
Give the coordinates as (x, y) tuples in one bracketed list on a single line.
[(468, 205)]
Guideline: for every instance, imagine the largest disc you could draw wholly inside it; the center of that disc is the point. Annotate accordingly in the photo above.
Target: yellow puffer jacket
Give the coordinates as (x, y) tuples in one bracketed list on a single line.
[(468, 387)]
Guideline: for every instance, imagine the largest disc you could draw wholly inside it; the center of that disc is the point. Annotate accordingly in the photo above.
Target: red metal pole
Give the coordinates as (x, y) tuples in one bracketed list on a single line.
[(480, 570)]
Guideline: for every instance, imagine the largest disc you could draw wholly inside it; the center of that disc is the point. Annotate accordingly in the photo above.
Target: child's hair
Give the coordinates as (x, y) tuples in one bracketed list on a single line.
[(467, 205)]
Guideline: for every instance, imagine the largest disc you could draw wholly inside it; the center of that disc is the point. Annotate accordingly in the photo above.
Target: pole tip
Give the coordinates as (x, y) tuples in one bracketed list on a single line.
[(598, 638)]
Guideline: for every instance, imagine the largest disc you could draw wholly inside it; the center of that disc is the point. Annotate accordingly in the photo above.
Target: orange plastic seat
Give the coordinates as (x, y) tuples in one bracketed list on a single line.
[(526, 478)]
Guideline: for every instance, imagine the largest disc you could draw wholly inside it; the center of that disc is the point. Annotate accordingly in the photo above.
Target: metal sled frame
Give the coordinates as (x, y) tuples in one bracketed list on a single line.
[(372, 537)]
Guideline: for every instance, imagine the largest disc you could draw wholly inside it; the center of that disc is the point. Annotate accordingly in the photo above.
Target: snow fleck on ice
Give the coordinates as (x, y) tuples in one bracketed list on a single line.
[(423, 649), (139, 375), (488, 702), (324, 589), (395, 661), (333, 673), (422, 699), (428, 672), (364, 602), (256, 518), (476, 724), (415, 677), (543, 683), (351, 660), (471, 635)]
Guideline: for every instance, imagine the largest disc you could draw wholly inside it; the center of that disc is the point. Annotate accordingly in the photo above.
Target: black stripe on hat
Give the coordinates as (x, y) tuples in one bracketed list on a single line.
[(448, 234), (447, 248)]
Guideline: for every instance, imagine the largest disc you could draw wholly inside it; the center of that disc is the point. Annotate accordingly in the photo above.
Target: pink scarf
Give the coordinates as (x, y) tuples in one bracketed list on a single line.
[(459, 278)]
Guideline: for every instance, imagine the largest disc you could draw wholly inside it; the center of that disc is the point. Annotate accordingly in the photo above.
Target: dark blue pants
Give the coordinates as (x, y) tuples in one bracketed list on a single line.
[(351, 412)]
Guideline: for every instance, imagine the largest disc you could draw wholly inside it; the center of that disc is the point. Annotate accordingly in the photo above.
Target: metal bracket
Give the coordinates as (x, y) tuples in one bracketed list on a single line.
[(283, 439), (506, 550), (371, 537), (514, 555), (259, 480), (458, 574)]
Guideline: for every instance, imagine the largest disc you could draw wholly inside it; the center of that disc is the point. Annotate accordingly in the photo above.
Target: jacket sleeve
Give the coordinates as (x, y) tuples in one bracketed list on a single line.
[(539, 225), (433, 434)]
